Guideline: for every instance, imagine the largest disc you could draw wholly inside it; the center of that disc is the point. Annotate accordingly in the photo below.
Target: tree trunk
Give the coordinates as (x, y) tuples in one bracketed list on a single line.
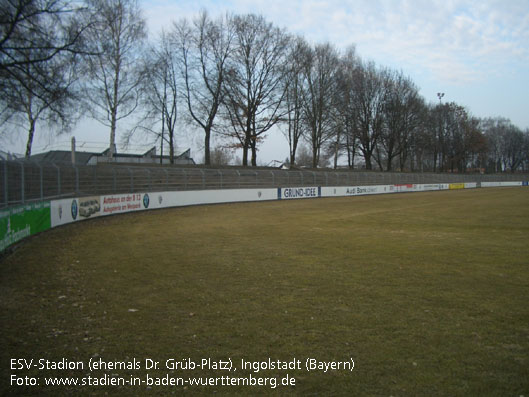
[(388, 163), (171, 147), (253, 146), (245, 152), (114, 108), (112, 148), (367, 158), (207, 155), (336, 149), (31, 134), (314, 157), (161, 140)]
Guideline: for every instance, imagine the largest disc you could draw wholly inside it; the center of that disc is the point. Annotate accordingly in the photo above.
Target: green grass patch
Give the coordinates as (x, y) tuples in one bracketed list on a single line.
[(427, 292)]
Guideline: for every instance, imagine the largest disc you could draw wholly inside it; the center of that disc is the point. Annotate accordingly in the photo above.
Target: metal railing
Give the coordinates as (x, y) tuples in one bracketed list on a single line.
[(26, 181)]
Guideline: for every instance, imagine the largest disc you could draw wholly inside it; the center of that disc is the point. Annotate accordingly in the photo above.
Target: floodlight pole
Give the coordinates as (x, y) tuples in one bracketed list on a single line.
[(440, 95)]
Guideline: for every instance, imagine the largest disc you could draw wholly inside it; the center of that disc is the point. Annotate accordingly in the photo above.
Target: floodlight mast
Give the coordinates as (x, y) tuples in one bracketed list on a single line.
[(440, 95)]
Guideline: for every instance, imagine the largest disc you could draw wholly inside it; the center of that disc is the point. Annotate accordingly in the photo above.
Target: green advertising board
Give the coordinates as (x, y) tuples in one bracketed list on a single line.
[(22, 221)]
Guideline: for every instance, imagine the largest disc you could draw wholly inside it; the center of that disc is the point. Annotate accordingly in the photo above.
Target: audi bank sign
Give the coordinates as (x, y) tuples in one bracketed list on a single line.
[(298, 192)]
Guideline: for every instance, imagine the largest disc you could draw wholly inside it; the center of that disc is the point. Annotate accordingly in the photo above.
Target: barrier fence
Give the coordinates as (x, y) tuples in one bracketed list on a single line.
[(26, 181)]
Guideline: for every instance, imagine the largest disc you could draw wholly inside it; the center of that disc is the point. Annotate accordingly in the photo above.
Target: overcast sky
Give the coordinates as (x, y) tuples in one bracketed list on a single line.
[(476, 52)]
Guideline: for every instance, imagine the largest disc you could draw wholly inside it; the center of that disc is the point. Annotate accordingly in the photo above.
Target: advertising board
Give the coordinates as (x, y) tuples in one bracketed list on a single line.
[(500, 184), (23, 221), (286, 193)]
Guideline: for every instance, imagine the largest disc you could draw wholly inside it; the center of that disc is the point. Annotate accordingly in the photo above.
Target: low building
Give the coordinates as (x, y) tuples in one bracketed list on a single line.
[(94, 158)]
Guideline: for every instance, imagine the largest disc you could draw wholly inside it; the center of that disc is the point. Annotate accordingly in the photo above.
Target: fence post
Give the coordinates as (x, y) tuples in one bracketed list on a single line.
[(238, 178), (149, 178), (41, 182), (203, 179), (220, 174), (76, 180), (58, 179), (131, 180), (185, 179), (273, 178), (166, 178), (23, 182), (6, 196), (95, 189), (256, 181)]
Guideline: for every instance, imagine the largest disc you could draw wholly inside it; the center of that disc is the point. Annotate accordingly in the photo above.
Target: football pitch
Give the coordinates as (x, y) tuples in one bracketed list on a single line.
[(402, 295)]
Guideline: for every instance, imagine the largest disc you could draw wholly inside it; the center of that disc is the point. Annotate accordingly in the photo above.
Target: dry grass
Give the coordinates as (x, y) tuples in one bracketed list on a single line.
[(427, 292)]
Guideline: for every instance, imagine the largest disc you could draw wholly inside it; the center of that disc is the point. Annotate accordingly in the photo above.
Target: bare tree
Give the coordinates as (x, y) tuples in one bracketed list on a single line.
[(319, 97), (203, 49), (402, 116), (495, 129), (369, 96), (116, 73), (52, 102), (525, 151), (40, 41), (293, 82), (221, 155), (513, 148), (345, 105), (254, 90), (32, 33), (159, 101)]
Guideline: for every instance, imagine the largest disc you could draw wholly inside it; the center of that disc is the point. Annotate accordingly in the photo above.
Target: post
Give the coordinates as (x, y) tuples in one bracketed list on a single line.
[(41, 182), (22, 182), (131, 179), (220, 174), (58, 179), (185, 179), (73, 150), (6, 195), (77, 192)]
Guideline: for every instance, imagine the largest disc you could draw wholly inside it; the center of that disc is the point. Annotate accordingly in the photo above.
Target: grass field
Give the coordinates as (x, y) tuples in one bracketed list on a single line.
[(428, 293)]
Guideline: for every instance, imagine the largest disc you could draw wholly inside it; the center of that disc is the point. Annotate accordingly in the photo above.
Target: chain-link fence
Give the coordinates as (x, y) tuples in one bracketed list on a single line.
[(25, 181)]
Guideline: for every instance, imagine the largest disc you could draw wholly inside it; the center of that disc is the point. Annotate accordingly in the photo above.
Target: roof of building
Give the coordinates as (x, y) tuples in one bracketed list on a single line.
[(62, 156), (83, 158)]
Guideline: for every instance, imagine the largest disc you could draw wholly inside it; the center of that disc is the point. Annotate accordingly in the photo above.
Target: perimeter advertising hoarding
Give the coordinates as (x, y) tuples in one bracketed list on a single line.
[(500, 184), (23, 221), (339, 191), (432, 186), (286, 193), (80, 208)]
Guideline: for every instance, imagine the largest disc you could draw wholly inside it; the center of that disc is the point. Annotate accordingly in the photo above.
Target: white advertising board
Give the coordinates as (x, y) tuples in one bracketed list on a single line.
[(341, 191), (500, 184), (288, 193), (80, 208)]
